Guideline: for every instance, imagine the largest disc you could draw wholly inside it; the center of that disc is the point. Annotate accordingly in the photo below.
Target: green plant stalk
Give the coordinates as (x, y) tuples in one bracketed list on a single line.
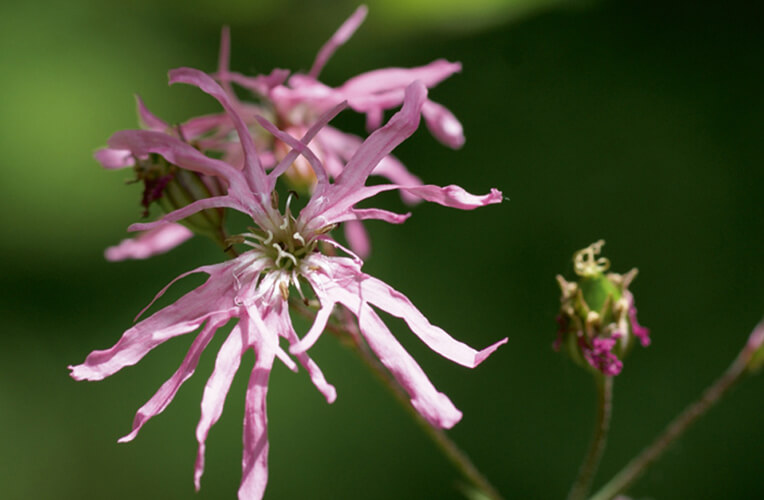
[(449, 448), (591, 462), (634, 469)]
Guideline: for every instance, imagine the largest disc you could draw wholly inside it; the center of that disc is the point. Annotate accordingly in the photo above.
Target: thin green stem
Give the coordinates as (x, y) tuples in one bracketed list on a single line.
[(591, 462), (450, 450), (634, 469)]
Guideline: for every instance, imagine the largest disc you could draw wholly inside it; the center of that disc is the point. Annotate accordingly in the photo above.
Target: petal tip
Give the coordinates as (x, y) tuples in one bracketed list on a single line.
[(482, 355), (495, 196), (81, 372), (331, 394), (128, 437)]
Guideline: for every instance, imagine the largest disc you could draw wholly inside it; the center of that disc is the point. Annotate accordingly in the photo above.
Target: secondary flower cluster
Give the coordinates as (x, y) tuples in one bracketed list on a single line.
[(284, 253), (293, 103)]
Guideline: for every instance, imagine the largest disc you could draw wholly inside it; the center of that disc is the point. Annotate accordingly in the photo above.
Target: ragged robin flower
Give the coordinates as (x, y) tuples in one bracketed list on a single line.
[(284, 254), (294, 104)]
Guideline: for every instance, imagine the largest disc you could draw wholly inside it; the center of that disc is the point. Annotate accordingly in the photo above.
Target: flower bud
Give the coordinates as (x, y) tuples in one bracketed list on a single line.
[(172, 188), (598, 318)]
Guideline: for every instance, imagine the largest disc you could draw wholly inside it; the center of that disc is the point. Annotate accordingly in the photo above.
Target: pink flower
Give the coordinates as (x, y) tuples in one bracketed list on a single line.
[(285, 254), (300, 100), (155, 241), (207, 133), (295, 104)]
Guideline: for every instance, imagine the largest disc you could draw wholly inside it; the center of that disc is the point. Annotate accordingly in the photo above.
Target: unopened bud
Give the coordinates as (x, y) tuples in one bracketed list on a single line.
[(598, 319)]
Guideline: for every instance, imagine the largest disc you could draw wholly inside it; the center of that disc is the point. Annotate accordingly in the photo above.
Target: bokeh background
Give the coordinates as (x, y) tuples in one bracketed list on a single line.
[(636, 122)]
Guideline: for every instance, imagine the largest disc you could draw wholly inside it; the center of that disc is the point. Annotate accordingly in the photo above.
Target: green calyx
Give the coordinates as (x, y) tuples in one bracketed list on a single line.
[(172, 188), (596, 305)]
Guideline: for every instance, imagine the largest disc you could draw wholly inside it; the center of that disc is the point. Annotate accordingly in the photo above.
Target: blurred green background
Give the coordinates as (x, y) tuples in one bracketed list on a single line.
[(636, 122)]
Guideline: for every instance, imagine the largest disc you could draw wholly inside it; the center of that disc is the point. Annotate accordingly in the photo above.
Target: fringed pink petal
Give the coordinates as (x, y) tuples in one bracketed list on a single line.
[(453, 196), (379, 214), (156, 241), (378, 145), (395, 172), (175, 151), (148, 119), (443, 125), (356, 234), (382, 142), (316, 329), (345, 145), (374, 117), (330, 209), (224, 55), (166, 393), (357, 237), (185, 315), (300, 147), (215, 270), (254, 171), (339, 38), (374, 103), (434, 406), (260, 84), (254, 476), (332, 161), (395, 303), (382, 80), (339, 280), (216, 390), (187, 211), (114, 158), (284, 358), (304, 91), (205, 124), (314, 372)]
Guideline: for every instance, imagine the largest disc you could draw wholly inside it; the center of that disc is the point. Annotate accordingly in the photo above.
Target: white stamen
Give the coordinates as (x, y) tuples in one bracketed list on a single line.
[(283, 254), (253, 236), (288, 202), (296, 284), (269, 238), (297, 236)]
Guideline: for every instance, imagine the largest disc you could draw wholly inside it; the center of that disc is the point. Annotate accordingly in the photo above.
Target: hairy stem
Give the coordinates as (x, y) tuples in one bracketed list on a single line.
[(450, 450), (629, 474), (583, 482)]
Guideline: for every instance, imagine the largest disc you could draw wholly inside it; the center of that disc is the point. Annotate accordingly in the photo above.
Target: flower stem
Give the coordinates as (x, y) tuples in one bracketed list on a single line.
[(583, 482), (449, 448), (629, 474)]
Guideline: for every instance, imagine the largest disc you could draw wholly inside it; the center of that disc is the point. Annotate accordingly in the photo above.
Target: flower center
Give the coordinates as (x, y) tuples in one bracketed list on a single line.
[(282, 243)]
